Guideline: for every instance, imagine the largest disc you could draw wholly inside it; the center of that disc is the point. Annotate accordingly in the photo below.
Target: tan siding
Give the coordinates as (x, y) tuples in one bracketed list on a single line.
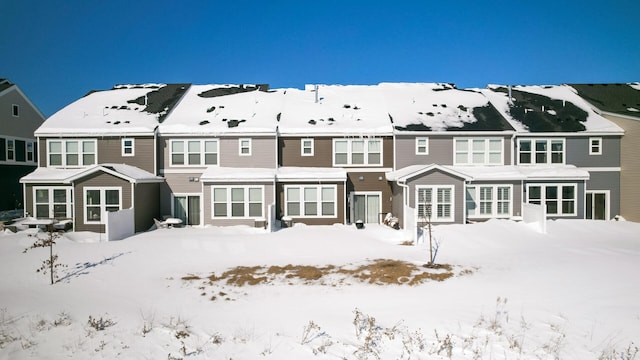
[(290, 153), (630, 168), (110, 151), (263, 152), (102, 180)]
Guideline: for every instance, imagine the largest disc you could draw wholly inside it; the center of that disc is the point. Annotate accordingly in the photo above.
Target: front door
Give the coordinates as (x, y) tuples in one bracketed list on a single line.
[(597, 205), (366, 207), (187, 209)]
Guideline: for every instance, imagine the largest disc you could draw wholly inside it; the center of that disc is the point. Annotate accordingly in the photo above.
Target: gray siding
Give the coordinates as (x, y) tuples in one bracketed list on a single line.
[(207, 201), (440, 149), (607, 181), (25, 124), (579, 196), (110, 151), (263, 152), (436, 177), (516, 200), (578, 152), (99, 179)]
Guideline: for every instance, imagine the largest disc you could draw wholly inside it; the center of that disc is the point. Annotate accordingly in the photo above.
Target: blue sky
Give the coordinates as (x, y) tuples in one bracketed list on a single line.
[(57, 51)]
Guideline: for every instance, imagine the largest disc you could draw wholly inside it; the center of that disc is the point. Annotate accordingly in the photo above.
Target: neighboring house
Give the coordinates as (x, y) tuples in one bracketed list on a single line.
[(218, 155), (99, 154), (19, 117), (335, 145), (620, 103)]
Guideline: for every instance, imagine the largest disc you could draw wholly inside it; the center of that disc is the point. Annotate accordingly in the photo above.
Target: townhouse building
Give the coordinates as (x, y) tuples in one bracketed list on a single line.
[(250, 155)]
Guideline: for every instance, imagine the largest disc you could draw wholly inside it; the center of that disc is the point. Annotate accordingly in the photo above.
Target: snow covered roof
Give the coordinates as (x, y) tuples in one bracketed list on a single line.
[(66, 176), (125, 109), (335, 109), (225, 109), (551, 172), (228, 174), (553, 108), (440, 107), (621, 99), (411, 171), (494, 173)]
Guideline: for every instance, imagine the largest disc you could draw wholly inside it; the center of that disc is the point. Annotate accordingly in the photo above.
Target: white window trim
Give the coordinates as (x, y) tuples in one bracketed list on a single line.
[(246, 202), (543, 200), (133, 147), (366, 193), (549, 152), (32, 152), (434, 202), (13, 150), (63, 152), (185, 152), (591, 140), (426, 140), (607, 210), (311, 146), (69, 203), (494, 201), (15, 108), (469, 151), (350, 152), (240, 147), (318, 201), (103, 205)]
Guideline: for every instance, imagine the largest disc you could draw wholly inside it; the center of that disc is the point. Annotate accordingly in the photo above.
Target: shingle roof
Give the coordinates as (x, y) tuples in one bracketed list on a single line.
[(621, 99)]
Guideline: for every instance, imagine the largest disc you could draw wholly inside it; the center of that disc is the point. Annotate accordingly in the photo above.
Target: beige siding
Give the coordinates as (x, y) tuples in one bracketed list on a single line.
[(178, 184), (630, 168), (102, 180)]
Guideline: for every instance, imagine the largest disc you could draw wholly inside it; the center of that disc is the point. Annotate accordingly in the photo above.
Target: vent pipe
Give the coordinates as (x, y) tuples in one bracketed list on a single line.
[(510, 98), (315, 87)]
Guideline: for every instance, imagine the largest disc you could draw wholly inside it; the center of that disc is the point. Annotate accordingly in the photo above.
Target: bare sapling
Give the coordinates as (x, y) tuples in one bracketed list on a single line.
[(51, 264)]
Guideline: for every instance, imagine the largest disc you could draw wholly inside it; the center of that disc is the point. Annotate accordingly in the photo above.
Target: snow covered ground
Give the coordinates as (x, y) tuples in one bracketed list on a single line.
[(569, 294)]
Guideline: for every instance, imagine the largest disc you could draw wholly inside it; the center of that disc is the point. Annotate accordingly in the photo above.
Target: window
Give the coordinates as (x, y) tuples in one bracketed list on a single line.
[(52, 202), (357, 152), (244, 147), (559, 199), (237, 202), (99, 201), (11, 150), (489, 201), (478, 151), (435, 202), (128, 148), (310, 201), (15, 110), (194, 152), (595, 146), (541, 151), (422, 146), (306, 147), (30, 152), (71, 152)]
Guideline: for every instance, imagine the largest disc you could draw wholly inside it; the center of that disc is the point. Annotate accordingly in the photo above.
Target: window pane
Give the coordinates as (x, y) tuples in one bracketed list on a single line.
[(374, 145), (237, 209), (551, 192), (444, 195), (89, 146), (478, 158), (219, 194), (177, 159), (42, 196), (478, 145), (72, 147), (55, 146), (93, 197), (327, 194), (534, 192), (310, 194), (59, 196), (341, 158), (461, 158), (462, 145), (525, 145), (374, 158), (211, 159), (556, 145), (112, 197), (220, 209), (525, 158), (556, 158), (177, 146), (88, 159), (567, 207), (194, 159), (341, 146), (293, 194), (237, 194), (210, 146), (93, 213), (568, 192), (255, 194), (72, 159), (495, 145), (327, 209), (357, 158), (255, 209), (55, 159), (357, 146), (552, 207), (310, 208), (495, 158), (541, 158), (194, 146), (293, 208), (42, 211), (541, 145)]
